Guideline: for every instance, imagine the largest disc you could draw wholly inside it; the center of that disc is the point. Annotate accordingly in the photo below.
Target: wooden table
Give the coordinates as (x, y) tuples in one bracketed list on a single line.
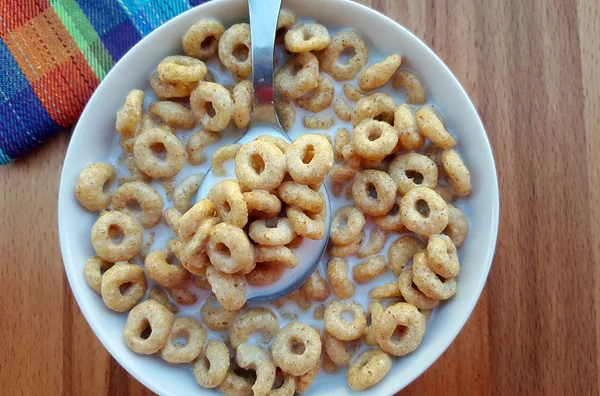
[(531, 68)]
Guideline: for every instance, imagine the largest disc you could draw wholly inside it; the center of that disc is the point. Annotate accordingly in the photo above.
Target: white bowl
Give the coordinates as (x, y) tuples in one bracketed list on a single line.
[(94, 135)]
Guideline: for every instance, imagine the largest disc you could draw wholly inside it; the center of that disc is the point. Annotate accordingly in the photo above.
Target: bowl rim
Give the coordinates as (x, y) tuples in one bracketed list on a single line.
[(65, 188)]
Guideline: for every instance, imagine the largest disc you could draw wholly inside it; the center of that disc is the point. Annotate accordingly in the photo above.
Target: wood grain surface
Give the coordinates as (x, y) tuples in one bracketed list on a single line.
[(532, 69)]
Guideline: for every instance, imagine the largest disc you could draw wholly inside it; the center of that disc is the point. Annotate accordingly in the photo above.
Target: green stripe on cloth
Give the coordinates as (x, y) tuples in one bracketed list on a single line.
[(85, 36)]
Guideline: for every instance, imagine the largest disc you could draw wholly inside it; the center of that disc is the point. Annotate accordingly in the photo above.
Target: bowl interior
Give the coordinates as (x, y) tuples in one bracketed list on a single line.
[(94, 135)]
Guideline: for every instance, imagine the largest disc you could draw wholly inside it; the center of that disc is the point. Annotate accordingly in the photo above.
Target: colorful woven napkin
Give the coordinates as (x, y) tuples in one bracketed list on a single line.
[(53, 54)]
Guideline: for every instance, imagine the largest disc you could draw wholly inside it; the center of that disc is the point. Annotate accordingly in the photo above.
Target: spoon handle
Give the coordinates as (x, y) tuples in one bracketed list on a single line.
[(263, 26)]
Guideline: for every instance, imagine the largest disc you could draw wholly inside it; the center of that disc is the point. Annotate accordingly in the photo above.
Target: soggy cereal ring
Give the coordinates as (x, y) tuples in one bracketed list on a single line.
[(445, 192), (400, 314), (379, 106), (316, 287), (318, 122), (273, 232), (284, 385), (338, 327), (340, 352), (152, 315), (458, 225), (412, 170), (262, 204), (264, 274), (229, 249), (173, 113), (242, 104), (380, 73), (349, 249), (258, 359), (342, 109), (329, 58), (428, 281), (281, 144), (158, 294), (406, 125), (223, 154), (210, 369), (201, 41), (309, 159), (319, 98), (343, 172), (306, 224), (337, 272), (91, 184), (172, 217), (186, 191), (352, 93), (215, 316), (229, 289), (402, 250), (384, 191), (229, 202), (254, 320), (375, 243), (196, 144), (149, 162), (415, 91), (164, 90), (293, 85), (182, 296), (341, 140), (374, 140), (193, 254), (300, 195), (130, 115), (387, 290), (346, 225), (212, 95), (368, 369), (136, 174), (307, 37), (286, 114), (93, 270), (413, 295), (286, 20), (111, 226), (237, 381), (391, 221), (163, 272), (457, 172), (369, 269), (260, 165), (432, 127), (190, 221), (280, 255), (195, 335), (145, 196), (178, 69), (119, 275), (442, 256), (304, 381), (375, 310), (435, 218), (235, 49), (283, 348)]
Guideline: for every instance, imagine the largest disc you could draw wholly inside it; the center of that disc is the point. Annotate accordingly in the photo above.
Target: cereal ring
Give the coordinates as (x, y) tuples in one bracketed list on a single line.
[(284, 385), (281, 144), (349, 249), (214, 316), (300, 299), (182, 296), (224, 153), (319, 98), (457, 172), (201, 282), (402, 250), (442, 256), (186, 191), (374, 245), (235, 51), (377, 202), (387, 290), (413, 295), (445, 192), (300, 195), (380, 73), (163, 272), (340, 352), (242, 104), (400, 314), (342, 109), (262, 204), (229, 249), (172, 217), (286, 20), (374, 140), (166, 90), (143, 195), (330, 56), (406, 125), (229, 289), (296, 242), (237, 381), (195, 336), (158, 294), (435, 218), (392, 221), (369, 269), (280, 255), (260, 165), (254, 320), (210, 98), (92, 186), (158, 153), (211, 368), (427, 280), (292, 84), (458, 225), (342, 139), (306, 224), (318, 122), (309, 159), (341, 328), (193, 255), (190, 221), (229, 202), (375, 310), (202, 39), (173, 113), (130, 115), (286, 114), (316, 287), (412, 170), (415, 91), (378, 106), (178, 69), (264, 274), (272, 232), (346, 225), (343, 172), (150, 315), (307, 37), (353, 93), (304, 381), (116, 236), (196, 144), (136, 174), (284, 352), (432, 127), (368, 369), (93, 270), (258, 359)]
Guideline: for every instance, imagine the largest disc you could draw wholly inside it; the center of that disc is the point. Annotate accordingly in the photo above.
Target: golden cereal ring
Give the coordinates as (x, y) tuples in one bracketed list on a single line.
[(173, 113), (374, 245), (92, 183), (179, 69), (329, 58), (262, 204), (445, 192), (136, 174), (111, 226), (229, 202), (349, 249), (415, 91), (379, 106), (343, 172), (292, 84), (432, 127), (264, 274), (153, 165), (229, 289), (400, 314), (306, 224), (272, 232), (402, 250), (152, 315), (223, 154), (458, 225), (353, 93), (369, 269), (428, 281), (457, 172), (433, 221), (304, 381), (307, 37), (346, 225), (380, 73), (309, 159), (385, 192), (93, 270), (235, 50), (166, 90), (193, 254), (368, 369), (260, 165), (392, 221), (117, 276), (316, 287), (374, 140), (201, 41), (163, 272), (242, 104), (406, 125), (281, 144), (340, 352), (186, 191), (174, 247), (375, 310), (158, 294), (284, 385), (190, 221), (182, 296), (342, 109), (286, 114), (197, 142), (298, 296), (254, 320), (300, 195), (412, 170), (172, 217), (130, 115), (286, 20), (210, 368), (319, 98), (212, 95), (280, 255), (341, 140), (215, 316), (145, 196), (201, 282), (237, 381), (195, 335), (258, 359), (387, 290), (296, 242), (283, 351), (229, 249), (442, 256), (318, 122), (338, 327), (411, 294)]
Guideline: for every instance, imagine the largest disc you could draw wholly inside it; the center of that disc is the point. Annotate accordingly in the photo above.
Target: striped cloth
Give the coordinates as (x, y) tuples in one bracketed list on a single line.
[(53, 54)]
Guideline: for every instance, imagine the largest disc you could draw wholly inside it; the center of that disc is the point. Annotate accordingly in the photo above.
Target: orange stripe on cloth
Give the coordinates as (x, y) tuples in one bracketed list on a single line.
[(15, 13)]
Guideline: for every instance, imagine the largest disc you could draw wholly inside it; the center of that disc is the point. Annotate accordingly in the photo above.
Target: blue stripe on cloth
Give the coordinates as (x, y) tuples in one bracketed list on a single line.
[(4, 159), (147, 15), (194, 3), (13, 78), (120, 39), (104, 15)]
